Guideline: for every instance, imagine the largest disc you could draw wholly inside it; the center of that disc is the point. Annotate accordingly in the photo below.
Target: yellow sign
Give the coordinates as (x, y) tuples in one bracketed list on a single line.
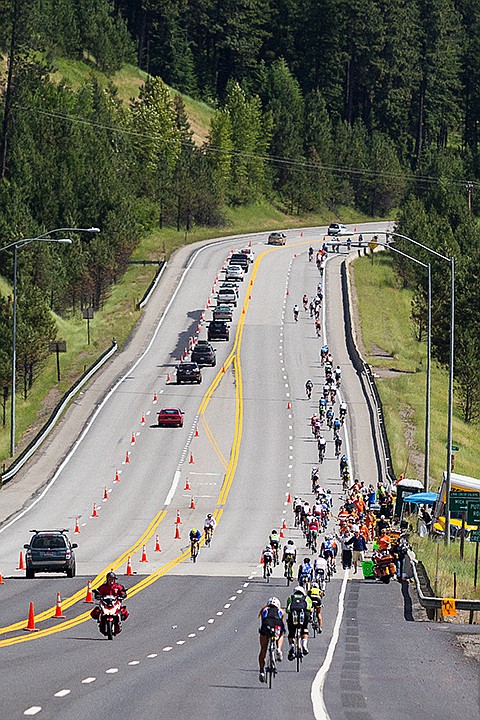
[(372, 245), (448, 607)]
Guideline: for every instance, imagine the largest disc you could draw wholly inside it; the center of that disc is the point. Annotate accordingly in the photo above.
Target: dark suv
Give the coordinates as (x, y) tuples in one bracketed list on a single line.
[(188, 372), (50, 551), (218, 330), (240, 259), (204, 354)]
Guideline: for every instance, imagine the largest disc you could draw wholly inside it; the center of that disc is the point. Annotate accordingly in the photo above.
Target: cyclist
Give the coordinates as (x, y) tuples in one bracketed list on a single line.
[(289, 556), (314, 476), (305, 302), (295, 312), (330, 415), (333, 393), (322, 408), (305, 573), (318, 327), (329, 552), (323, 353), (322, 447), (299, 607), (310, 254), (272, 619), (338, 375), (209, 525), (343, 411), (312, 534), (309, 388), (297, 509), (343, 463), (338, 445), (267, 559), (316, 594), (195, 536), (274, 540), (320, 568), (326, 392), (336, 426)]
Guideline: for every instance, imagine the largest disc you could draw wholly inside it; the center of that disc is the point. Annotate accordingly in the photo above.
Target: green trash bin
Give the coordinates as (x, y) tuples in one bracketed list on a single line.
[(367, 568)]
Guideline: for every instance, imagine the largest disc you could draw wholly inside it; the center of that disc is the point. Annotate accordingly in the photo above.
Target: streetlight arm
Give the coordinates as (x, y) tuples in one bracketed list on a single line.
[(419, 262), (45, 237), (406, 237)]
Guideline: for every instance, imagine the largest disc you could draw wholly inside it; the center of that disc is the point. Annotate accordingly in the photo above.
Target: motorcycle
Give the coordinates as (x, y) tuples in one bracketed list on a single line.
[(384, 568), (109, 614)]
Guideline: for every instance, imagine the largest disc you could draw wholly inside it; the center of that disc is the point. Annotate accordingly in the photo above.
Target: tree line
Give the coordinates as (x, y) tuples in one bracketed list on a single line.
[(319, 104)]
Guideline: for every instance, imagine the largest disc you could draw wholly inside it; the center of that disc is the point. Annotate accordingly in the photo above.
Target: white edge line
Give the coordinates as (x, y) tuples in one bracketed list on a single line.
[(171, 492), (319, 708)]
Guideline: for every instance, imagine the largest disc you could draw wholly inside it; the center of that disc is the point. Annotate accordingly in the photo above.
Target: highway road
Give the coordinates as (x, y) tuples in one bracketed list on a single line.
[(190, 645)]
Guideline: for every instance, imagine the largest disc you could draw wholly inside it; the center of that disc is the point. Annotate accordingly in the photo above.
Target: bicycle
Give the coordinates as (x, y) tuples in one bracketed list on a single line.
[(289, 562), (194, 548), (275, 556), (208, 535), (321, 453), (299, 621), (267, 570), (271, 666), (314, 623)]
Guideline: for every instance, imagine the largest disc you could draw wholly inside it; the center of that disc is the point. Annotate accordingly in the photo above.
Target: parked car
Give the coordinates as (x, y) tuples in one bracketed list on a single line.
[(172, 417), (50, 551), (230, 286), (335, 228), (277, 238), (189, 372), (239, 258), (204, 354), (228, 296), (223, 312), (234, 272), (218, 330)]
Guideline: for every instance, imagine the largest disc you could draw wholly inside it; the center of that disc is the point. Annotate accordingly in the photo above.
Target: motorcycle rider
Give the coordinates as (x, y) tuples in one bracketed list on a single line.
[(111, 587)]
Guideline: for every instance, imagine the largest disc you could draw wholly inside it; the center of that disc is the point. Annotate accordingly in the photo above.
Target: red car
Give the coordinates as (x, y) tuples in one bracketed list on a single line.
[(170, 416)]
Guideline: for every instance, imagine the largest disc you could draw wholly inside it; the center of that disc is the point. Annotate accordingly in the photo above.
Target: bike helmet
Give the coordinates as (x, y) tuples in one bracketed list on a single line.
[(300, 589), (110, 576), (306, 560), (209, 516), (328, 537), (315, 585), (274, 532), (274, 601), (193, 530), (290, 542)]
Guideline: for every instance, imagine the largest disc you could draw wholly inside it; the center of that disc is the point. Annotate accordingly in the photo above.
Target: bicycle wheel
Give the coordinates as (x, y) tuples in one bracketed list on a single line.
[(298, 649), (194, 552), (271, 669)]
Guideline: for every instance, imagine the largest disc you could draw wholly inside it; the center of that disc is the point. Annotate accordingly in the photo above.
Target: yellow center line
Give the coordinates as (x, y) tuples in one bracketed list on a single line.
[(213, 442)]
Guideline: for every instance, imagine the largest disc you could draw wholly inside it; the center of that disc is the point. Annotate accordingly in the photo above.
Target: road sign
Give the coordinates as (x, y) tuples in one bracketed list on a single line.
[(473, 513), (449, 607), (460, 499), (475, 536), (372, 245)]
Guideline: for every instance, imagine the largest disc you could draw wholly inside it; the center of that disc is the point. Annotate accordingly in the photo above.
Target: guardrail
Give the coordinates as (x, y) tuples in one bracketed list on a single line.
[(24, 456), (430, 602)]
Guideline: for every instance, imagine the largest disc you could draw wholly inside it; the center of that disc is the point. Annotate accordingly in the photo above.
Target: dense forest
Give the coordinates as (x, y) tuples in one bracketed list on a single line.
[(319, 104)]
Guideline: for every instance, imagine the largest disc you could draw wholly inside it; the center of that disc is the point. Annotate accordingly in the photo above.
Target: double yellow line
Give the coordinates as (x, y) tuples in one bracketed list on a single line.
[(233, 357)]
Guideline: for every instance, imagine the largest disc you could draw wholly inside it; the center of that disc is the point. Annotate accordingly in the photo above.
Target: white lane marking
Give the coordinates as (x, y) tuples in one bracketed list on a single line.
[(192, 635), (239, 592), (220, 612), (134, 662), (227, 605), (319, 708), (234, 597), (152, 655), (167, 649), (111, 671), (61, 693), (88, 680), (202, 627), (212, 620), (180, 642), (171, 492), (32, 710), (246, 584)]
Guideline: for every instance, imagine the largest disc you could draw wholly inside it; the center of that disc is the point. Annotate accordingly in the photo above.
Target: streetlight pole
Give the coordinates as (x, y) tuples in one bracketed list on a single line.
[(15, 245), (451, 261)]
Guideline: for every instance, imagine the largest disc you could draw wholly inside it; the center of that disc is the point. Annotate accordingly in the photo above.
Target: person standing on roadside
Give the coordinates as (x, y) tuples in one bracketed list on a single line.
[(359, 547)]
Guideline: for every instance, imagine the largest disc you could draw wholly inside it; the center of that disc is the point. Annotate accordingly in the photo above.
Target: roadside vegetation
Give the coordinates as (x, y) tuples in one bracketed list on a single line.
[(450, 568)]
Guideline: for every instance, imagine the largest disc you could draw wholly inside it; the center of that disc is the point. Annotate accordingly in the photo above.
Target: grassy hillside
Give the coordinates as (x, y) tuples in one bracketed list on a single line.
[(128, 81)]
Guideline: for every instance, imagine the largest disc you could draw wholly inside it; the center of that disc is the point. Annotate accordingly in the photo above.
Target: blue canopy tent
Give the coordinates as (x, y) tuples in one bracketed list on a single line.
[(423, 498)]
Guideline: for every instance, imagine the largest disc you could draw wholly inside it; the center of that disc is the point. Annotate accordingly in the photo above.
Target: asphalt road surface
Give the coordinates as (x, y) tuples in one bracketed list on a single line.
[(190, 645)]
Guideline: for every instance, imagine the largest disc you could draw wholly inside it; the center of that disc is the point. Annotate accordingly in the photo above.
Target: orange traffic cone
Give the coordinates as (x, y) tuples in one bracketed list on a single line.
[(105, 493), (21, 564), (142, 421), (177, 532), (289, 405), (187, 484), (129, 566), (31, 619), (117, 476), (223, 368), (284, 525), (77, 527), (243, 311), (155, 397), (58, 609), (157, 544), (288, 292), (94, 512), (178, 520), (282, 534), (144, 555), (127, 457), (2, 582), (196, 431), (169, 379), (191, 461), (134, 439), (289, 498), (89, 595), (192, 504)]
